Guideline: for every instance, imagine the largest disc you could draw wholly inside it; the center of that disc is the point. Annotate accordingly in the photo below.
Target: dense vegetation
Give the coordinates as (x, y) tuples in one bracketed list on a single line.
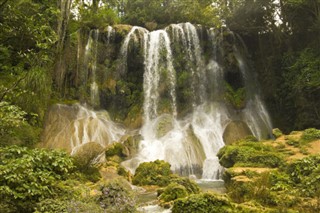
[(283, 40)]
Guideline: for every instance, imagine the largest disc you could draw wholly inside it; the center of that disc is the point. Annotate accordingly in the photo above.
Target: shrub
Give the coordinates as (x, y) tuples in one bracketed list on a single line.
[(300, 169), (205, 202), (310, 134), (152, 173), (116, 197), (115, 149), (30, 175)]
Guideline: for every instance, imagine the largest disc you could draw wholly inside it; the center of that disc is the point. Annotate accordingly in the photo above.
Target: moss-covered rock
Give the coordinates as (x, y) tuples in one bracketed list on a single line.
[(152, 173), (115, 149), (87, 152), (172, 192), (205, 202), (190, 185), (250, 154), (277, 133)]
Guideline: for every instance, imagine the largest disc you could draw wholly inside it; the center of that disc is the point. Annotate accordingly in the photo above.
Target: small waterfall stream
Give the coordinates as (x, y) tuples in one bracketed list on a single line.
[(90, 58)]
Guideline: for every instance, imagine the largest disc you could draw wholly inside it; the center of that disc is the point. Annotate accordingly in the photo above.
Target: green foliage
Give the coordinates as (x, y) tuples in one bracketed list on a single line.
[(71, 205), (11, 116), (152, 173), (310, 135), (116, 197), (30, 175), (37, 89), (237, 98), (301, 82), (161, 12), (14, 128), (97, 18), (205, 202), (251, 154), (301, 169), (115, 149)]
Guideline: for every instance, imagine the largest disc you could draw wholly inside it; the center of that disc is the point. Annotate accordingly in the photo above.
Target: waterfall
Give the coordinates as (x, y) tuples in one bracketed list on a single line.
[(185, 109), (255, 113), (190, 144), (90, 59), (186, 34), (110, 34), (137, 35), (158, 42)]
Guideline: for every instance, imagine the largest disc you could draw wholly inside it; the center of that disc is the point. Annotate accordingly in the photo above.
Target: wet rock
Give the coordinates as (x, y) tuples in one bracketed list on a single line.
[(235, 131)]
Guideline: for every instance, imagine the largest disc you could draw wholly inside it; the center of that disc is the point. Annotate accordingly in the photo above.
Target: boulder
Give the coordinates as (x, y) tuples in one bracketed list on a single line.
[(235, 131)]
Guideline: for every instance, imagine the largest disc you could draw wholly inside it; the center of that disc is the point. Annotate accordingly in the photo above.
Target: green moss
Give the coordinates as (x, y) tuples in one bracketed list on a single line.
[(152, 173), (190, 185), (251, 154), (206, 202), (116, 149), (237, 98), (277, 133), (172, 192)]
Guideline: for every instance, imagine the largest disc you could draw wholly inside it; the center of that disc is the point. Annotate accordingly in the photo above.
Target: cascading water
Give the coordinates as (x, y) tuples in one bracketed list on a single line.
[(90, 59), (255, 113), (185, 110), (137, 35), (155, 66), (189, 144)]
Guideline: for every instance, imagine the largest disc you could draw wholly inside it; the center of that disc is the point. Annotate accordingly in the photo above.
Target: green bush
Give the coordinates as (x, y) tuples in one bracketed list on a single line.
[(172, 192), (70, 206), (300, 169), (310, 134), (152, 173), (116, 197), (30, 175), (205, 202), (115, 149), (236, 97)]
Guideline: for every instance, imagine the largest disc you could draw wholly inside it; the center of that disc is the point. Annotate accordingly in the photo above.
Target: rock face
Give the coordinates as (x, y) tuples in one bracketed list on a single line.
[(70, 127), (235, 131)]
